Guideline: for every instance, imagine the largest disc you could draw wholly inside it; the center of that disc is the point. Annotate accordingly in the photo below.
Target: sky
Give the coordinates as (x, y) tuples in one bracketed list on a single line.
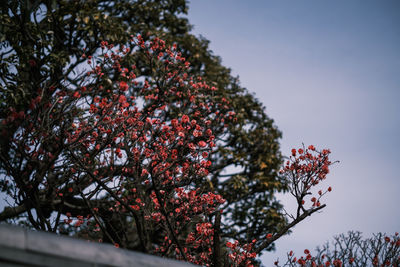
[(328, 73)]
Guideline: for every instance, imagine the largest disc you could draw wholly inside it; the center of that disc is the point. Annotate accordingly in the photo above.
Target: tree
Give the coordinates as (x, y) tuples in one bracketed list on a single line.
[(42, 43), (128, 169), (352, 250)]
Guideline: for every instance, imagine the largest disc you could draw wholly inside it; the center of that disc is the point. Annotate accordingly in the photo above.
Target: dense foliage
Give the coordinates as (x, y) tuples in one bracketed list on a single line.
[(41, 47), (114, 166)]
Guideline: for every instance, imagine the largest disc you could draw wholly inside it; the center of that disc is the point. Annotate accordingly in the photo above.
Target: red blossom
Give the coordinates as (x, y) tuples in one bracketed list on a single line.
[(123, 86), (185, 119), (202, 144)]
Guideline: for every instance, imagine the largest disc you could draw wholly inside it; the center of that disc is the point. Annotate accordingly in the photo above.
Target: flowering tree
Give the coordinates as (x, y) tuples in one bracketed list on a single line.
[(352, 250), (135, 151), (41, 46), (125, 168)]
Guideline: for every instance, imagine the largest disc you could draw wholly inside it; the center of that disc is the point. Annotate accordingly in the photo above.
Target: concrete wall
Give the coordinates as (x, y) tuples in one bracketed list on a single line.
[(22, 247)]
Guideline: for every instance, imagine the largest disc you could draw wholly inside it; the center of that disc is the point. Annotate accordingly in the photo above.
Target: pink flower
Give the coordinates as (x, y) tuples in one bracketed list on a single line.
[(123, 86), (202, 144), (185, 119)]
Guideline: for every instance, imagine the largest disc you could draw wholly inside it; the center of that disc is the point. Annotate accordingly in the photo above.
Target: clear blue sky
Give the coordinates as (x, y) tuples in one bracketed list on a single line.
[(329, 74)]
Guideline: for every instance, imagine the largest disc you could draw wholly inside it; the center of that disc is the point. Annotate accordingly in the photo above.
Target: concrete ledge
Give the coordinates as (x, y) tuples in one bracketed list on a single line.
[(22, 247)]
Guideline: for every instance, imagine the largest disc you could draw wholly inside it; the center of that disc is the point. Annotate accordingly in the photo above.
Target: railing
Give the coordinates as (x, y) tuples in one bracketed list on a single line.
[(22, 247)]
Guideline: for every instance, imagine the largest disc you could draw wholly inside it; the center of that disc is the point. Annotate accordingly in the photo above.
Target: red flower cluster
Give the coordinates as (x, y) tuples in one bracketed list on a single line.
[(304, 170), (241, 254), (160, 156)]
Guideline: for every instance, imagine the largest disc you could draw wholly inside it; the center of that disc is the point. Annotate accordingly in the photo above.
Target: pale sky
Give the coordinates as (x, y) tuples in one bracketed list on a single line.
[(328, 73)]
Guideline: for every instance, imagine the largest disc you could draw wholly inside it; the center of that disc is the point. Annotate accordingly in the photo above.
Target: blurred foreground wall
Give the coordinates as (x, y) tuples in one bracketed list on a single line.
[(22, 247)]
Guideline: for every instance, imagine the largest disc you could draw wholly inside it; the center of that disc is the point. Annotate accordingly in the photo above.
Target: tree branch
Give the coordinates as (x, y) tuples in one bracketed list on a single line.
[(269, 241), (117, 198), (217, 247), (11, 212)]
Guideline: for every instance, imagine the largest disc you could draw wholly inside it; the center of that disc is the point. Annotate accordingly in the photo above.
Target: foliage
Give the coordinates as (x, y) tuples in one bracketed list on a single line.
[(41, 47), (122, 169)]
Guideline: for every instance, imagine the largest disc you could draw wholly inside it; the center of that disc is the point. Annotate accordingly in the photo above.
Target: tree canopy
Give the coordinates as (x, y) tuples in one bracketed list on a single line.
[(118, 125), (42, 46)]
